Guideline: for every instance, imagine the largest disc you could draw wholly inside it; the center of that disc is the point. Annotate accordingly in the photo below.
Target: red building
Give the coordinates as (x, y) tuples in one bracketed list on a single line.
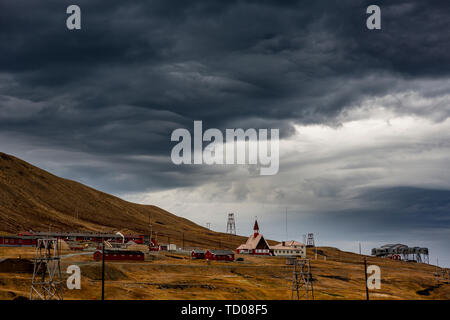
[(256, 244), (198, 254), (17, 241), (121, 255), (76, 246), (224, 255)]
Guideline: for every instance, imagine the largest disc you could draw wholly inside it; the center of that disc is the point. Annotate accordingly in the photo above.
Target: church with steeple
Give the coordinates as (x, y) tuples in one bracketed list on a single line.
[(256, 244)]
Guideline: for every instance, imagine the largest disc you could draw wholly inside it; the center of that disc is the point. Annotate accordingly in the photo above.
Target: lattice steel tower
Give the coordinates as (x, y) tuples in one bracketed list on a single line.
[(302, 286), (47, 281), (310, 242), (231, 224)]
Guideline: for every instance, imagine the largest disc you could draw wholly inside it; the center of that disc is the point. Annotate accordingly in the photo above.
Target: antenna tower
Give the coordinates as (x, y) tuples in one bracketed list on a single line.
[(302, 286), (47, 281), (310, 242), (231, 224)]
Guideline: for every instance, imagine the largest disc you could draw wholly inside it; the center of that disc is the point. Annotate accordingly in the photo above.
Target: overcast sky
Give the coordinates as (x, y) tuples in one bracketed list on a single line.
[(363, 115)]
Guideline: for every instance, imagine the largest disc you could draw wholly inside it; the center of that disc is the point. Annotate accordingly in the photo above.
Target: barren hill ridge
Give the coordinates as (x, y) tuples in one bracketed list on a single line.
[(31, 198)]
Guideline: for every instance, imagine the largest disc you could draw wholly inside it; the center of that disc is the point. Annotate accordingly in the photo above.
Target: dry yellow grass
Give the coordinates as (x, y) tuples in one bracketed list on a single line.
[(175, 276)]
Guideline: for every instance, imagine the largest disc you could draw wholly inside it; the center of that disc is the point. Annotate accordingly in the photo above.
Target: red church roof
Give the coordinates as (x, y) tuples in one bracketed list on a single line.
[(255, 241)]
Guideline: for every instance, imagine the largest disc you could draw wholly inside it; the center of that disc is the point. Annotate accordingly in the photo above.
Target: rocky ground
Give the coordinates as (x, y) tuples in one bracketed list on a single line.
[(176, 276)]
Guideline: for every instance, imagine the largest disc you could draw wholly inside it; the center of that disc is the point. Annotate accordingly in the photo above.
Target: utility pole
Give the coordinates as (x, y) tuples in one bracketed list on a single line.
[(365, 277), (150, 225), (437, 271), (103, 270), (286, 226), (360, 248), (183, 241)]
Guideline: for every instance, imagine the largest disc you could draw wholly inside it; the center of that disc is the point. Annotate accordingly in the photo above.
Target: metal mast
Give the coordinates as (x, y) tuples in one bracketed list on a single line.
[(231, 224), (47, 281), (310, 242), (302, 286)]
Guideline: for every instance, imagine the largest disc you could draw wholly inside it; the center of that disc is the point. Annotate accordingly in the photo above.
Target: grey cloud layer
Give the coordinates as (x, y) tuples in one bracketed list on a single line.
[(137, 70), (98, 105)]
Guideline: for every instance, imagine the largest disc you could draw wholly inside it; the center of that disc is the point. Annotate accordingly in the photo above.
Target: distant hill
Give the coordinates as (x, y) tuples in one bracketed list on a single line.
[(31, 198)]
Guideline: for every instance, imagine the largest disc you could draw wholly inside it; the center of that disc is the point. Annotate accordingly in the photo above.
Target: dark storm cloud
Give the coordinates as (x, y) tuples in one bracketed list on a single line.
[(406, 207), (395, 211), (139, 69)]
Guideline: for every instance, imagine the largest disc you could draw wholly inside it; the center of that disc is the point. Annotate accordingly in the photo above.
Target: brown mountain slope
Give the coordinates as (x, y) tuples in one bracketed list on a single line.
[(31, 198)]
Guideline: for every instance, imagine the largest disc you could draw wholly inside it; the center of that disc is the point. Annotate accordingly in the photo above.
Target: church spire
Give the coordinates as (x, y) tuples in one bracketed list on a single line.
[(255, 228)]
